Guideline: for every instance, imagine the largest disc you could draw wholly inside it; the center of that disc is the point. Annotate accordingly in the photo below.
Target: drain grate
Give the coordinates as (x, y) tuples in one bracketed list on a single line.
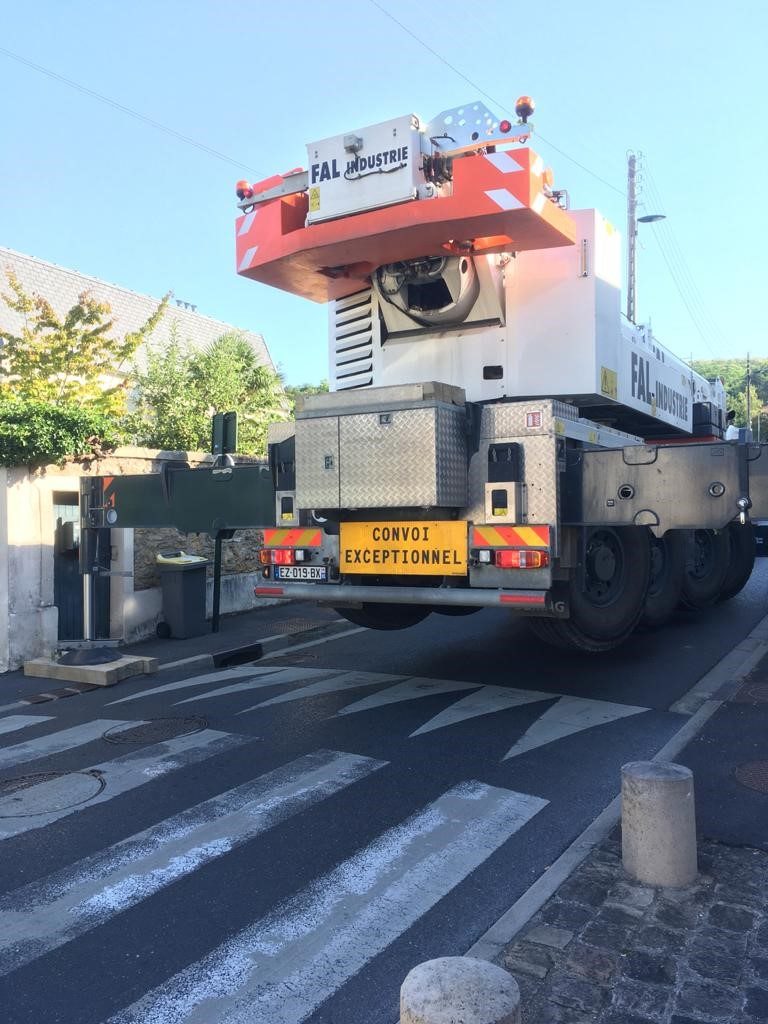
[(295, 625), (155, 731), (753, 775), (47, 792), (755, 692)]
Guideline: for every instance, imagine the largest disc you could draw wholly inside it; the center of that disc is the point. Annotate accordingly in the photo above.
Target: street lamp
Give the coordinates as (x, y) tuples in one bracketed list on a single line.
[(632, 221)]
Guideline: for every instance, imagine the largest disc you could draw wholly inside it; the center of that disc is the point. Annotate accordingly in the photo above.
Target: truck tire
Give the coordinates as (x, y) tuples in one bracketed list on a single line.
[(562, 634), (742, 561), (385, 616), (606, 596), (667, 573), (707, 559)]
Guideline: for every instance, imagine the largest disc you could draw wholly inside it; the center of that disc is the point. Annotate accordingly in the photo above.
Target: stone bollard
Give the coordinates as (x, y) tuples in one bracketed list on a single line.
[(458, 988), (658, 823)]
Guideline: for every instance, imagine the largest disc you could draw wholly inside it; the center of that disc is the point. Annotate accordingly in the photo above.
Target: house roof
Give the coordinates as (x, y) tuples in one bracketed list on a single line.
[(130, 310)]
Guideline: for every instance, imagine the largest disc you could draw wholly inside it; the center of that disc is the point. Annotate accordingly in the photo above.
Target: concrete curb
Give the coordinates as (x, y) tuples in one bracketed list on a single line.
[(221, 659), (705, 698)]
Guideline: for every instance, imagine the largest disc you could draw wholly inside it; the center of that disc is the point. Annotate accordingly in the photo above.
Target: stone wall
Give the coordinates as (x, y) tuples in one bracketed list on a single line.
[(237, 555)]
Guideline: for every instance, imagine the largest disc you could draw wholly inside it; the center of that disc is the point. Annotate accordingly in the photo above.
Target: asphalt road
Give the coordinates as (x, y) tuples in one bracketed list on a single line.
[(304, 830)]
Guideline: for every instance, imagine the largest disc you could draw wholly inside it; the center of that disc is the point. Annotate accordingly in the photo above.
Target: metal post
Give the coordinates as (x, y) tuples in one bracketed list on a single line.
[(631, 236), (88, 610), (216, 583)]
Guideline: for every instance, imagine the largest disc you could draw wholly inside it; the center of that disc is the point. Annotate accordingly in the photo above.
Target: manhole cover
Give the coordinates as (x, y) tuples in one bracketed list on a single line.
[(155, 731), (755, 692), (295, 625), (753, 775), (45, 792)]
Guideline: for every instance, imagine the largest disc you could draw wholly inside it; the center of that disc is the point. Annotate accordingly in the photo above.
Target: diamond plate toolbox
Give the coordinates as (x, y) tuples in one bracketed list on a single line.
[(403, 450)]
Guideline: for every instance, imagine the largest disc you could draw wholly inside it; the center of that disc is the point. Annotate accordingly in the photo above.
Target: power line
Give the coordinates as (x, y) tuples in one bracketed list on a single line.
[(501, 107), (682, 277), (124, 109)]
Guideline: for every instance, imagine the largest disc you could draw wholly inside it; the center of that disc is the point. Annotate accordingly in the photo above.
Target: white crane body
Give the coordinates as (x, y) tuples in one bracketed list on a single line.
[(496, 432)]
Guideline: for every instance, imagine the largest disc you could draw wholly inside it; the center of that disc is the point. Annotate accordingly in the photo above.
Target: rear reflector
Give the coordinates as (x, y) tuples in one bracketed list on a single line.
[(268, 591), (522, 599)]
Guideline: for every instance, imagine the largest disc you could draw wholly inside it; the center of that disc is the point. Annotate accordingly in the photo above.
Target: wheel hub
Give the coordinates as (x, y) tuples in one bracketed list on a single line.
[(603, 567)]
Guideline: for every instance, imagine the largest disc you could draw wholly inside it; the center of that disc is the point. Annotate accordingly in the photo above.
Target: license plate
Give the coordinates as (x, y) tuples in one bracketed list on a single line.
[(433, 548), (315, 573)]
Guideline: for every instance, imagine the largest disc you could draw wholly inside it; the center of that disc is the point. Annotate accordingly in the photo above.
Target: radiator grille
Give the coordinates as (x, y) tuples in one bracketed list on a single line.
[(354, 334)]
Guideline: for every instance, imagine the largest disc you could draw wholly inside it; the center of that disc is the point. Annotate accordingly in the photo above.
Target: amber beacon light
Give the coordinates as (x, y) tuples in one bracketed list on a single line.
[(524, 108)]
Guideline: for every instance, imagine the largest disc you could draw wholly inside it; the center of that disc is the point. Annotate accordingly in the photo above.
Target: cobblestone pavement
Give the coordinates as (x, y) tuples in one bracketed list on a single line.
[(608, 950)]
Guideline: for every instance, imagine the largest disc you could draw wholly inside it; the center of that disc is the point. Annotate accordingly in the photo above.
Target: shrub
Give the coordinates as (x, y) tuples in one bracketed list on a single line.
[(36, 433)]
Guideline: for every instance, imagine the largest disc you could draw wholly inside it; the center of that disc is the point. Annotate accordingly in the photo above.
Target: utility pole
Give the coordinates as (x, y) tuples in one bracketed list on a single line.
[(749, 396), (631, 235)]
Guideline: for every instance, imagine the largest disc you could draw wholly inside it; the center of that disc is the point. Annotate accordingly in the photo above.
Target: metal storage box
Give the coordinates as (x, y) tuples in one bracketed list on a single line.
[(393, 447)]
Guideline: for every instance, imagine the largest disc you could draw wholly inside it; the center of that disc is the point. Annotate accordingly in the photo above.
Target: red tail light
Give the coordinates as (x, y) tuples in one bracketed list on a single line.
[(277, 556), (521, 558), (243, 190)]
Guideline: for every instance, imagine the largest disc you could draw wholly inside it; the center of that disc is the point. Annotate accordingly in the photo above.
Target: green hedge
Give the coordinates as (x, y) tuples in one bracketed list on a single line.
[(37, 433)]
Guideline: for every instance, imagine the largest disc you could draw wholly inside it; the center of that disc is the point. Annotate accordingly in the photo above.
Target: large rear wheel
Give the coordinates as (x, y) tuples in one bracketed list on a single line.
[(742, 561), (606, 596), (707, 558), (667, 573)]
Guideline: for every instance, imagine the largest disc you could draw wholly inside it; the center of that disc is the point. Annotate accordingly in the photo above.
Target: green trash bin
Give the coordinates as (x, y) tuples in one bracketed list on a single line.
[(182, 578)]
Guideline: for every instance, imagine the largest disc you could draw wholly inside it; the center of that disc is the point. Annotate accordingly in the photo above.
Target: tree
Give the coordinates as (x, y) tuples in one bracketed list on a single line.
[(293, 391), (179, 390), (75, 358), (739, 405), (733, 373)]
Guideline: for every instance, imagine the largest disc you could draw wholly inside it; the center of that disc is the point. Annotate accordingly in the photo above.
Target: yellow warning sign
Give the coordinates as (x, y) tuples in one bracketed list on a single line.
[(404, 548), (609, 382), (314, 199)]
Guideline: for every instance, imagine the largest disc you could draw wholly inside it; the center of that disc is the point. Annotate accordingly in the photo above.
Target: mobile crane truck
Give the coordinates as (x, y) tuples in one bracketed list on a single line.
[(496, 434)]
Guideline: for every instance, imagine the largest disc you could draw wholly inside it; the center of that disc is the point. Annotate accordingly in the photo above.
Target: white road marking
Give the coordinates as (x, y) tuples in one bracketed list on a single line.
[(411, 689), (46, 914), (257, 678), (485, 701), (568, 716), (56, 742), (210, 678), (279, 970), (248, 685), (332, 683), (14, 722), (120, 775)]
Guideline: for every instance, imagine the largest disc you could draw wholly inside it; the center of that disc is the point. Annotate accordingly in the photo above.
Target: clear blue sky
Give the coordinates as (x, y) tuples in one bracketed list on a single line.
[(88, 187)]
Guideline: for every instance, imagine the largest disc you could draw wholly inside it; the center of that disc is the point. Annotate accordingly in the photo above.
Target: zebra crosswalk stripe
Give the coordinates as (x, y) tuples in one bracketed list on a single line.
[(14, 722), (46, 914), (57, 742), (120, 775), (280, 969)]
